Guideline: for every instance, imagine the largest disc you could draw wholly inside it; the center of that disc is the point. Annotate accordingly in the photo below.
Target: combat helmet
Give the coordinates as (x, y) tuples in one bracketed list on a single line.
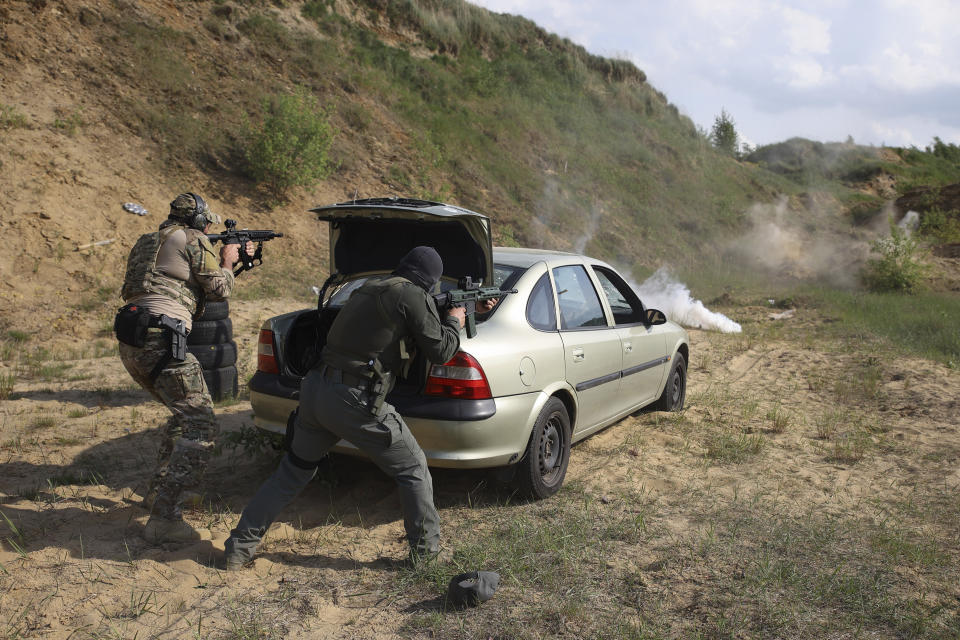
[(190, 209)]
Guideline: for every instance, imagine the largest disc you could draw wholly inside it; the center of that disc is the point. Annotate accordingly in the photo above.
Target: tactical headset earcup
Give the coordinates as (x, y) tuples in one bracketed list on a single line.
[(199, 219)]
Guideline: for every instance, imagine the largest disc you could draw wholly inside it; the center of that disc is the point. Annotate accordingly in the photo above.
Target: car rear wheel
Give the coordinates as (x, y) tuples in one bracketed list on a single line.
[(675, 391), (544, 466)]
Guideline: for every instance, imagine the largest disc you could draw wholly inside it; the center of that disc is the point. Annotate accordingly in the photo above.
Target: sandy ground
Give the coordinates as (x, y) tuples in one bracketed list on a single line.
[(75, 452)]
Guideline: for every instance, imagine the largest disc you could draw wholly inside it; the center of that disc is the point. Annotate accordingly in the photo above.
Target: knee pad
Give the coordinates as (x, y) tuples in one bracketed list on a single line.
[(297, 461)]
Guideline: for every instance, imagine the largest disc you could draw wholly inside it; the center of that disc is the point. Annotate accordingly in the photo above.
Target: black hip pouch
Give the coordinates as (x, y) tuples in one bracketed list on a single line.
[(131, 325)]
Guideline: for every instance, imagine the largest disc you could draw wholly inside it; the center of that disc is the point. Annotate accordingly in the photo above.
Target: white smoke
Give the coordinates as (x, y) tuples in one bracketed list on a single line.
[(910, 222), (811, 244), (664, 292)]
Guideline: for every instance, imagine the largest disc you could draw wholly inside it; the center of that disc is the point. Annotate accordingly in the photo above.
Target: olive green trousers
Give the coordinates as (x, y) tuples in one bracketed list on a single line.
[(330, 410)]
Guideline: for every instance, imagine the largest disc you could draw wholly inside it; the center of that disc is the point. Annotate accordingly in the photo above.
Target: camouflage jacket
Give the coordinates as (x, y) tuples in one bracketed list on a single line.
[(174, 271)]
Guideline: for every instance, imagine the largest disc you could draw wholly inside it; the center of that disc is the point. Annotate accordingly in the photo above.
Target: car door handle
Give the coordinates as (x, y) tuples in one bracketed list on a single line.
[(577, 354), (627, 347)]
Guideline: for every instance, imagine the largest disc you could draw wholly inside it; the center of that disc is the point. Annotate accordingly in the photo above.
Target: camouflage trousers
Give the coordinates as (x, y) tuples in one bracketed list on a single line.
[(189, 434)]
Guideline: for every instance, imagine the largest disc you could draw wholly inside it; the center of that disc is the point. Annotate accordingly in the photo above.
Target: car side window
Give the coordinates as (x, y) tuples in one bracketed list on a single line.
[(624, 303), (540, 310), (579, 303)]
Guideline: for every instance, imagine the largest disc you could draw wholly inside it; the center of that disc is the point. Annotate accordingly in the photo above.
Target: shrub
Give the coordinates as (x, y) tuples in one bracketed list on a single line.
[(899, 267), (290, 146), (11, 118), (942, 225)]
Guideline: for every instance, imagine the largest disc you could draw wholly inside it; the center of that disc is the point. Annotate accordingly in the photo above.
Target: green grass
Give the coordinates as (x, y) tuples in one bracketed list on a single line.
[(7, 382), (924, 324), (733, 447), (11, 117), (17, 336)]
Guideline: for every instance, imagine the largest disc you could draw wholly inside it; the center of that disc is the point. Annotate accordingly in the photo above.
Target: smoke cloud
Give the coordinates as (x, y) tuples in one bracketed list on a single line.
[(910, 222), (815, 247), (664, 292)]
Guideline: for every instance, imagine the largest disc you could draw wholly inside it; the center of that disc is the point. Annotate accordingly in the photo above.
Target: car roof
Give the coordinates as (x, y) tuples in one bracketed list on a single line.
[(524, 257)]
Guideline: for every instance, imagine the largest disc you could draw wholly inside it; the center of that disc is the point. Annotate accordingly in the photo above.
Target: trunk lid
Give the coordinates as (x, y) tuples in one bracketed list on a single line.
[(372, 235)]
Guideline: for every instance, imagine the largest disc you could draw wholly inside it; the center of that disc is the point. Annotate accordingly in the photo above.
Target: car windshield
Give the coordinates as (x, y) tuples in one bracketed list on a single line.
[(504, 276)]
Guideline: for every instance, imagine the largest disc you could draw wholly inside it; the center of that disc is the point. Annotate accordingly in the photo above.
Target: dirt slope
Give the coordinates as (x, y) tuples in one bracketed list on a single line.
[(73, 161)]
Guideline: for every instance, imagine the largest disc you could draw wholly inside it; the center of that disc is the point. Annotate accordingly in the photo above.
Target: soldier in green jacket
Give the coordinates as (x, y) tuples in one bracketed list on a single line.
[(170, 273), (373, 336)]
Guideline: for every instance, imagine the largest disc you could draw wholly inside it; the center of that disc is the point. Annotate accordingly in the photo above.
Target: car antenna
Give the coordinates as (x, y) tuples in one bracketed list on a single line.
[(356, 191)]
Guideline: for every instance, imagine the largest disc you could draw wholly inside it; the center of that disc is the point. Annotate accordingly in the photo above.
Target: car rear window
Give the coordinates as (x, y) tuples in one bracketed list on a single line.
[(541, 313)]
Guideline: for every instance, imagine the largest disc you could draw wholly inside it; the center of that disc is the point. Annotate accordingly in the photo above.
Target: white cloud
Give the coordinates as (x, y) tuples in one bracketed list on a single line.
[(803, 73), (806, 33)]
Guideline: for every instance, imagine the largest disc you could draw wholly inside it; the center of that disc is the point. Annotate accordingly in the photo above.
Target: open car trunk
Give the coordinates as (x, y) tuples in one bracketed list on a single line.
[(307, 337), (372, 235), (369, 237)]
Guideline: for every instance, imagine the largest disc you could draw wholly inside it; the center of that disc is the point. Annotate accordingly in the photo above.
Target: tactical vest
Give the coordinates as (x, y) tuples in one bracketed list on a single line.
[(143, 277), (365, 327)]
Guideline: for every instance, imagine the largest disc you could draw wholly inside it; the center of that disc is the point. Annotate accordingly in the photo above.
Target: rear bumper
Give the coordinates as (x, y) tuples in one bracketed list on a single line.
[(453, 433)]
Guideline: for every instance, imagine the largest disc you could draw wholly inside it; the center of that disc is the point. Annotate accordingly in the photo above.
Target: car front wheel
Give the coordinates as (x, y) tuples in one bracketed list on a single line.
[(544, 465), (675, 391)]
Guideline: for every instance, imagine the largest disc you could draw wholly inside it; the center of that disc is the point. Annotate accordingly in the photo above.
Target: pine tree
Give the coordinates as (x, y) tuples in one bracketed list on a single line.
[(723, 136)]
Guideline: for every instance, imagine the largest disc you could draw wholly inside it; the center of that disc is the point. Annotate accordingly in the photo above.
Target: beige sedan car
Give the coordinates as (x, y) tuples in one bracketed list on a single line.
[(572, 351)]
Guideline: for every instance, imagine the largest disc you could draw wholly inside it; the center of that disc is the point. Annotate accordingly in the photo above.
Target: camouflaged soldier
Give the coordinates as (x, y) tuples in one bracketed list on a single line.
[(375, 333), (170, 273)]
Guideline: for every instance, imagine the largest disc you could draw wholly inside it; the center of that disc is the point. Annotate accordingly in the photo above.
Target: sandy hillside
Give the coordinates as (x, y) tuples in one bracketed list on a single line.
[(75, 449)]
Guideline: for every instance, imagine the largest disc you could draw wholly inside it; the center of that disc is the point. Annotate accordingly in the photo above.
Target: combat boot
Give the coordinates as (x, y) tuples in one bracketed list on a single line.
[(159, 530), (235, 561), (190, 499)]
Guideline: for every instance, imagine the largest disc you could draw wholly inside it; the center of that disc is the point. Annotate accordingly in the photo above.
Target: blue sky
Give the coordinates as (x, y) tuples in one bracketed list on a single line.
[(883, 72)]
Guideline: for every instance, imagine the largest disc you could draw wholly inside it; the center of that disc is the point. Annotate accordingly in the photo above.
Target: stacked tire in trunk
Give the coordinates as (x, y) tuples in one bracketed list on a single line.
[(211, 341)]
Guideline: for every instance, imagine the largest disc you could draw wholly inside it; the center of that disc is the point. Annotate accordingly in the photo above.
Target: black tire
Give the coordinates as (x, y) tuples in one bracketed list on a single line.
[(215, 356), (211, 332), (221, 382), (544, 465), (214, 311), (675, 391)]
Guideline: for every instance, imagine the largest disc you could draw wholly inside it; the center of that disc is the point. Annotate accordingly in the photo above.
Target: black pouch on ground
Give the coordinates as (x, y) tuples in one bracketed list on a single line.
[(131, 324)]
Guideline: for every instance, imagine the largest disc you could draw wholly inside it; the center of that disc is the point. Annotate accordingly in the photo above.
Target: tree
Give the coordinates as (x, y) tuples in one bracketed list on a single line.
[(723, 136)]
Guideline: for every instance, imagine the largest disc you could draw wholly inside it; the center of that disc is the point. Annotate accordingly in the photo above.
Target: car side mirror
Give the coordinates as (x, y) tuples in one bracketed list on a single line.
[(655, 316)]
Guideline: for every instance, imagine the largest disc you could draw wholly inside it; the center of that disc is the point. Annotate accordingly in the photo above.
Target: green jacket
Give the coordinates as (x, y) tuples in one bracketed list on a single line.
[(387, 319)]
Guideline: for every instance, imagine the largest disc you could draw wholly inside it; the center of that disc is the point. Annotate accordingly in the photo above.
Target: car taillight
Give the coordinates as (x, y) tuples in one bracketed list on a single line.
[(459, 377), (266, 355)]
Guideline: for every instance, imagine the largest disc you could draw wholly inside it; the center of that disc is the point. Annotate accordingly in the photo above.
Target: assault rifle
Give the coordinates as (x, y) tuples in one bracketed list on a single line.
[(467, 295), (241, 237)]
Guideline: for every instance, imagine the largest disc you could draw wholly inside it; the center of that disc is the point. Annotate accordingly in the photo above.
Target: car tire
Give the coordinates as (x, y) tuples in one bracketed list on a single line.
[(211, 332), (544, 465), (214, 311), (221, 382), (675, 390), (215, 356)]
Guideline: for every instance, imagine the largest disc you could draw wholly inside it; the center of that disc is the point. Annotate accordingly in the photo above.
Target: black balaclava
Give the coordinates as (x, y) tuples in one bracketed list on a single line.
[(422, 266)]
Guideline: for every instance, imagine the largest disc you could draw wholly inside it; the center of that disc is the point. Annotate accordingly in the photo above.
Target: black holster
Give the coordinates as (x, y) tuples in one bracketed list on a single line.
[(177, 333)]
